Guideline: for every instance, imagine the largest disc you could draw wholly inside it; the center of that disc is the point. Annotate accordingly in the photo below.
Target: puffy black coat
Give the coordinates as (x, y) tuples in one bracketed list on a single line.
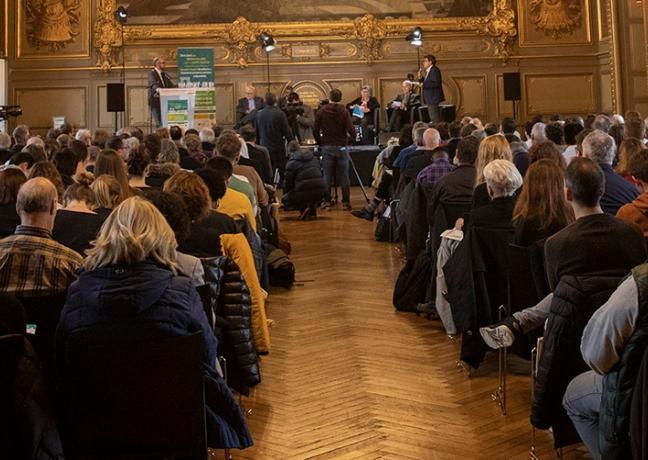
[(303, 182), (231, 307), (576, 298)]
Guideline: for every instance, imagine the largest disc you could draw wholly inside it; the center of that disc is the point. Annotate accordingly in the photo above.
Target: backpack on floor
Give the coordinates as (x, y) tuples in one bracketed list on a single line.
[(411, 285), (280, 268), (385, 228)]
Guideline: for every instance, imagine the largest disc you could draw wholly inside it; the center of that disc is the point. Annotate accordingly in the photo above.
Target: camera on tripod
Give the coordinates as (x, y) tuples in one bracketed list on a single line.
[(7, 111)]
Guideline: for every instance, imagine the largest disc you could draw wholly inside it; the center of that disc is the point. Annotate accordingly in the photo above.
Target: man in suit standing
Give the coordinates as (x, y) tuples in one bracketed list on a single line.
[(273, 131), (400, 108), (248, 106), (157, 79), (432, 87)]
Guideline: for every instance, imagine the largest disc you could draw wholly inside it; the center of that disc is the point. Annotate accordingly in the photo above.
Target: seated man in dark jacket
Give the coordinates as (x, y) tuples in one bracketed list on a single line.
[(304, 187)]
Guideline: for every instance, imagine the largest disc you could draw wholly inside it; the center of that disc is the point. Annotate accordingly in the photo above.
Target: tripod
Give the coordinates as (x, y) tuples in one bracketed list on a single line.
[(355, 171)]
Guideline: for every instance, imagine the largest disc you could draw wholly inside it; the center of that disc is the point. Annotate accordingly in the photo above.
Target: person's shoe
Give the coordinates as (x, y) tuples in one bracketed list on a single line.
[(429, 310), (500, 335), (325, 205), (363, 213), (346, 207)]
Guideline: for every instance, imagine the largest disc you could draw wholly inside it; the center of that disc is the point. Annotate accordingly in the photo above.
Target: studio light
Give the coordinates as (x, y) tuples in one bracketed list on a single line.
[(121, 15), (415, 37), (268, 43)]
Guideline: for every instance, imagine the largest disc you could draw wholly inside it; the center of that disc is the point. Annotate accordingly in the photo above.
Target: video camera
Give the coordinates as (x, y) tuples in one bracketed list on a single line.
[(7, 111)]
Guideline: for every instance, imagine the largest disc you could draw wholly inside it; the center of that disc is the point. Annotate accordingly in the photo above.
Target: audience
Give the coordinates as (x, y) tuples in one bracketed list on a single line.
[(107, 194), (492, 148), (628, 148), (636, 212), (48, 170), (137, 168), (109, 162), (11, 180)]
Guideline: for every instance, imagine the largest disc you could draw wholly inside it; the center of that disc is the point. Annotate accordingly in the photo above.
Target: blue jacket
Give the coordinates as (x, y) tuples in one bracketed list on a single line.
[(433, 87), (150, 297)]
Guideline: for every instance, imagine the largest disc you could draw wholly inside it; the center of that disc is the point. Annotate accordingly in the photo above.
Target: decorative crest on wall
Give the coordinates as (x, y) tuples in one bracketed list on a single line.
[(500, 25), (556, 17), (52, 23), (240, 35)]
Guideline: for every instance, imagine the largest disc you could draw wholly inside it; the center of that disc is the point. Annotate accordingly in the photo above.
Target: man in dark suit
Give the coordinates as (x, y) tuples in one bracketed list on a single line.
[(432, 87), (398, 111), (273, 131), (157, 79), (248, 106)]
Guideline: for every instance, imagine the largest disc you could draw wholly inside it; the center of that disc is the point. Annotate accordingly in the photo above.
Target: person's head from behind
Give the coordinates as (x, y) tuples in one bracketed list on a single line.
[(599, 147), (216, 182), (502, 178), (490, 129), (23, 161), (335, 95), (36, 151), (36, 203), (443, 128), (11, 179), (571, 130), (248, 133), (405, 137), (270, 99), (153, 144), (173, 208), (546, 151), (222, 166), (107, 191), (584, 183), (419, 134), (431, 138), (192, 142), (509, 125), (66, 162), (81, 151), (207, 135), (638, 167), (135, 232), (454, 129), (108, 162), (628, 149), (47, 170), (467, 130), (100, 137), (194, 192), (80, 192), (580, 137), (116, 143), (5, 141), (538, 133), (554, 132), (467, 150), (492, 148), (63, 141), (293, 148), (542, 199), (602, 123), (138, 162), (635, 128), (20, 134), (228, 146), (175, 132), (168, 152)]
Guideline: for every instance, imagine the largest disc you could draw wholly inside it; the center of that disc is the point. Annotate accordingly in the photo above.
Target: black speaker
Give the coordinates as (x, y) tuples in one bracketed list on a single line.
[(115, 100), (448, 113), (512, 90)]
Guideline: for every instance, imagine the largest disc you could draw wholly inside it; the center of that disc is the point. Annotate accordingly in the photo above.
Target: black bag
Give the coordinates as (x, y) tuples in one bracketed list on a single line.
[(411, 285), (281, 269), (385, 231)]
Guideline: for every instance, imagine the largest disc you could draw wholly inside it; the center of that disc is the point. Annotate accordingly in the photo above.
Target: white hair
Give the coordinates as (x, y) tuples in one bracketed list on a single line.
[(35, 140), (244, 148), (502, 178), (206, 135), (5, 140), (618, 119), (538, 133), (83, 135), (599, 147)]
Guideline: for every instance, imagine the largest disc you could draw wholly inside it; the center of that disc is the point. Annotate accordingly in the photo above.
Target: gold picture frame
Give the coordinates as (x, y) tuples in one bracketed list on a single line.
[(240, 36), (4, 33), (574, 28)]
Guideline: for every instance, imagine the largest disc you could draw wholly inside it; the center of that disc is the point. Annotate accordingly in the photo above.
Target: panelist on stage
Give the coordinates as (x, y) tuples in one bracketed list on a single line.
[(248, 106), (399, 110), (157, 79), (432, 87)]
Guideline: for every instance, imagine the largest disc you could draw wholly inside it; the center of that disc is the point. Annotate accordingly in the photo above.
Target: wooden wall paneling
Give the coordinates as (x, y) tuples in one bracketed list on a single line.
[(40, 105), (225, 103), (103, 118), (471, 99), (350, 87), (503, 108), (606, 92), (4, 32), (569, 93), (532, 36), (137, 109), (310, 92)]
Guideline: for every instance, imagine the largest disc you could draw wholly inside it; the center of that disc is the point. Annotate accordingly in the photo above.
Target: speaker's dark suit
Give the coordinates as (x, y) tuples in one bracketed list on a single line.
[(242, 110), (155, 82), (433, 92)]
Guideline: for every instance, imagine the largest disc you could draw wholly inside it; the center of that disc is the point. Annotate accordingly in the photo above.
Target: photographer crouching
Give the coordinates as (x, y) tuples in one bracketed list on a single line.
[(304, 187), (301, 118)]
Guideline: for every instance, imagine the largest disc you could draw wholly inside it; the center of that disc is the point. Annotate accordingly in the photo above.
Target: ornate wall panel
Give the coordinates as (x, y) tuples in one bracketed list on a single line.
[(606, 94), (137, 106), (104, 118), (632, 55), (560, 93), (554, 22), (56, 29), (349, 87), (225, 103), (44, 104), (470, 95), (388, 89), (504, 108), (4, 24)]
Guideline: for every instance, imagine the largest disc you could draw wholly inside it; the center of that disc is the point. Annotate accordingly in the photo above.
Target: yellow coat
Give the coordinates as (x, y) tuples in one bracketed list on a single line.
[(237, 248)]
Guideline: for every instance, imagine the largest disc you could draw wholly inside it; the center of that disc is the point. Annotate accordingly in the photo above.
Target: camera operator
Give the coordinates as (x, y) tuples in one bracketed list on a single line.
[(301, 118)]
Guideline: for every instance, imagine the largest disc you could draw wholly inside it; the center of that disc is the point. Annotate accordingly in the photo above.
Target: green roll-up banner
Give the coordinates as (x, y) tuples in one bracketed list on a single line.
[(196, 70)]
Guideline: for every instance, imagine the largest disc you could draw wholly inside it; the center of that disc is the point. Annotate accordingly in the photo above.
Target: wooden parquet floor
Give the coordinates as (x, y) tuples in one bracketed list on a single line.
[(350, 378)]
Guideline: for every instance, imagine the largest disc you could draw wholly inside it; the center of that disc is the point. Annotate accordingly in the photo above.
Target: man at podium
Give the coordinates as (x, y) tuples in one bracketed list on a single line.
[(157, 79)]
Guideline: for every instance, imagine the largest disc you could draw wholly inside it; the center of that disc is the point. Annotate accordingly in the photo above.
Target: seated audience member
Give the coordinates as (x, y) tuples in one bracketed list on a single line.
[(304, 187), (152, 145), (168, 152), (502, 180), (538, 134), (233, 203), (237, 182), (468, 130), (172, 207), (541, 209), (63, 140), (109, 162), (422, 156), (520, 154), (571, 130), (491, 129), (228, 146), (599, 147), (23, 161), (508, 127), (32, 264), (492, 148), (5, 147), (10, 182), (619, 248), (599, 402), (602, 123), (207, 139), (175, 133), (20, 134), (66, 162), (137, 168), (362, 111), (257, 153), (81, 151), (118, 144), (454, 131), (107, 193), (132, 268), (616, 133), (546, 151), (76, 224), (635, 128), (85, 136), (47, 170), (408, 150), (627, 149), (195, 157), (555, 133), (636, 212), (439, 167), (400, 108), (36, 151), (100, 138)]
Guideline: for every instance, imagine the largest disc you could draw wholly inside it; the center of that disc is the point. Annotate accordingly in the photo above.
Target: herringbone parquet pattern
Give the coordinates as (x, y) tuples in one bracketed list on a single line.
[(349, 378)]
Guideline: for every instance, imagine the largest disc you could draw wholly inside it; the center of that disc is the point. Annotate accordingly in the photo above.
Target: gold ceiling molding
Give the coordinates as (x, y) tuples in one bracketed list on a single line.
[(240, 36), (52, 23), (556, 17)]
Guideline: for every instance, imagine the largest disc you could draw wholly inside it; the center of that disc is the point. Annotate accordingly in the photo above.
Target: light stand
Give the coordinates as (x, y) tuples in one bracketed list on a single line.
[(268, 69), (268, 44), (121, 16)]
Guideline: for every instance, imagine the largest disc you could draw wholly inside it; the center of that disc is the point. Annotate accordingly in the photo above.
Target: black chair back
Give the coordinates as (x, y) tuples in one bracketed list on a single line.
[(522, 288), (44, 312), (133, 397)]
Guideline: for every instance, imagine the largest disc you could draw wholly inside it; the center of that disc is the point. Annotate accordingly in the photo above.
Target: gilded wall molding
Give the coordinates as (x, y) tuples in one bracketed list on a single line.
[(556, 17), (52, 23), (367, 33)]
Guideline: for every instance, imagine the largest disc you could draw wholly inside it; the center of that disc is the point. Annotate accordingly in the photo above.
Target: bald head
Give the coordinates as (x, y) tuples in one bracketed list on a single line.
[(36, 196), (431, 138)]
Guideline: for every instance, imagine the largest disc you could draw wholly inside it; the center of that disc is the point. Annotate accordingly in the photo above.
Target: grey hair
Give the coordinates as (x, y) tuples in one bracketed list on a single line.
[(20, 133), (366, 88), (168, 152), (599, 147), (83, 135), (602, 122), (5, 141), (502, 177), (538, 134), (206, 135), (36, 196), (418, 135)]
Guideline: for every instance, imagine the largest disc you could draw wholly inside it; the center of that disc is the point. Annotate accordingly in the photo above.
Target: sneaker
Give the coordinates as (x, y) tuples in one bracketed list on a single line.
[(497, 336), (363, 213), (346, 207)]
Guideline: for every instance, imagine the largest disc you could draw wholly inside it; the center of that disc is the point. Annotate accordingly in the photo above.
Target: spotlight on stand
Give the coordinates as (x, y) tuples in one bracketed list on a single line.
[(415, 38), (268, 43), (121, 15), (7, 111)]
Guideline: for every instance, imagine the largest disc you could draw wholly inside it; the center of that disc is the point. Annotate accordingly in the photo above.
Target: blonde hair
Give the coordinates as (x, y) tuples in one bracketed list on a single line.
[(107, 191), (135, 231), (494, 147)]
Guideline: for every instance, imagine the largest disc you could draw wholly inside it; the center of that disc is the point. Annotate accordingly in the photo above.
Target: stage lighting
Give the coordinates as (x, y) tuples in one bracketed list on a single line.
[(121, 15), (415, 37), (268, 43)]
